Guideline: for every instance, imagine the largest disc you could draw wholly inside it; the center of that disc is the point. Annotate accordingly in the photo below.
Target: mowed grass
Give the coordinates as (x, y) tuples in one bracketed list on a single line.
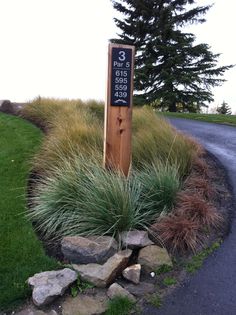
[(213, 118), (21, 253)]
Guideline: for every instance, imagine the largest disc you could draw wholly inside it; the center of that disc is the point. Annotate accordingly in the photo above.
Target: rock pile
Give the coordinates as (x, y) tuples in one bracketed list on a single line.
[(97, 260)]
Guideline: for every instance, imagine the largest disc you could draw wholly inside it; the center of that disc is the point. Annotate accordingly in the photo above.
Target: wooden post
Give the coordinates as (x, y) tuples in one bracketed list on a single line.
[(118, 108)]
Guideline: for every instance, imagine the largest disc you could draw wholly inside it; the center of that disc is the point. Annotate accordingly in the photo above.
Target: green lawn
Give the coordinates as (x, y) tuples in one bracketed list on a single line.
[(214, 118), (21, 253)]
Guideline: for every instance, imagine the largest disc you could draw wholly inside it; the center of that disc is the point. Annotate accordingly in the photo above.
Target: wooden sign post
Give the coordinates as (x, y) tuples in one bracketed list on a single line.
[(118, 110)]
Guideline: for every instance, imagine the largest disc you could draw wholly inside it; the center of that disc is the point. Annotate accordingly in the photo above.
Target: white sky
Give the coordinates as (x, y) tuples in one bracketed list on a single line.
[(58, 48)]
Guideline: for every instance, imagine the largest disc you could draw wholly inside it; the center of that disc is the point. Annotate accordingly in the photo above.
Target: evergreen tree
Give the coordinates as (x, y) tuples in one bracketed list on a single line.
[(224, 109), (169, 66)]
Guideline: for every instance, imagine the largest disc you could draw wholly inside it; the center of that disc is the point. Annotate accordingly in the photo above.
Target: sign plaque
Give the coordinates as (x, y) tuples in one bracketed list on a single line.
[(118, 111), (121, 76)]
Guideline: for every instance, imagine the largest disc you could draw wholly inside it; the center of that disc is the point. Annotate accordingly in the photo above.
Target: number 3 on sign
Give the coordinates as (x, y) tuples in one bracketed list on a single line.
[(122, 55)]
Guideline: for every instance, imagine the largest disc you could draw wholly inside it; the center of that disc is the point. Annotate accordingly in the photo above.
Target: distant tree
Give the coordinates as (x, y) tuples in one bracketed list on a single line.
[(224, 109), (213, 110), (169, 66)]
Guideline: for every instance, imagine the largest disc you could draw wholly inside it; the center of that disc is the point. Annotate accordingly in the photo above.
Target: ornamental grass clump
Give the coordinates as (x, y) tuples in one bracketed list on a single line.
[(82, 198), (178, 233), (43, 111), (200, 186), (74, 132), (155, 140), (75, 126), (161, 184), (197, 209)]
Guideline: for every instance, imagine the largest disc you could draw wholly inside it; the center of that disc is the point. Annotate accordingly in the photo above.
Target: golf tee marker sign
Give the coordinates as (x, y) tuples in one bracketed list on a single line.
[(118, 108)]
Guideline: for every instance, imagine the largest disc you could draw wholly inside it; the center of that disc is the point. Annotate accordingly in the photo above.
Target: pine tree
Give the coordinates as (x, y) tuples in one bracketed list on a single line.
[(169, 66), (224, 109)]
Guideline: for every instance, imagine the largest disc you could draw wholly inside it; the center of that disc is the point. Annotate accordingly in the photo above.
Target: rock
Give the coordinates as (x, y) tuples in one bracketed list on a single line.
[(135, 239), (152, 257), (6, 106), (103, 275), (132, 273), (93, 249), (10, 108), (85, 305), (140, 290), (4, 103), (50, 284), (116, 290)]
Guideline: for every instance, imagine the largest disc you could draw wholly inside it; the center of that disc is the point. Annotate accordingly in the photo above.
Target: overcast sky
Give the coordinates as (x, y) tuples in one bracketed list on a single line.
[(58, 48)]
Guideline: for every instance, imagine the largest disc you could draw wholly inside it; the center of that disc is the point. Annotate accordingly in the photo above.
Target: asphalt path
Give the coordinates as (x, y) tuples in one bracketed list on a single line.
[(212, 290)]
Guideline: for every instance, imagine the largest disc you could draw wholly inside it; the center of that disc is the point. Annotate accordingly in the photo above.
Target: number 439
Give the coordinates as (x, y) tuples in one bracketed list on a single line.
[(121, 94)]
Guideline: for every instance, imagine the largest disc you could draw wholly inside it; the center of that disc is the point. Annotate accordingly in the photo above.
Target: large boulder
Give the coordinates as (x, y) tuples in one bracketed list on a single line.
[(132, 273), (93, 249), (50, 284), (103, 275), (85, 305), (117, 290), (135, 239), (152, 257)]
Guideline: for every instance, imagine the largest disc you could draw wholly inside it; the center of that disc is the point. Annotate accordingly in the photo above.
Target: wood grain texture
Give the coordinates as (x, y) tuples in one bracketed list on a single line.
[(118, 121)]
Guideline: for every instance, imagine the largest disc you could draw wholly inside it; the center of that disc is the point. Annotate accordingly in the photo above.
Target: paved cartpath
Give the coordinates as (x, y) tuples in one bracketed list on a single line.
[(212, 290)]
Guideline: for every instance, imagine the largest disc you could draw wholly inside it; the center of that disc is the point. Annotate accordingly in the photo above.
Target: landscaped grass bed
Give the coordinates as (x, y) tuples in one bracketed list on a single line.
[(21, 254), (76, 196), (213, 118)]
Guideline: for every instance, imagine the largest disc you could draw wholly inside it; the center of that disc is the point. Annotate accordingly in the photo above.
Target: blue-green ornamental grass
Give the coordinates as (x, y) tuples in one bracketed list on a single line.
[(160, 184), (82, 198)]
